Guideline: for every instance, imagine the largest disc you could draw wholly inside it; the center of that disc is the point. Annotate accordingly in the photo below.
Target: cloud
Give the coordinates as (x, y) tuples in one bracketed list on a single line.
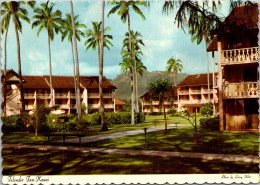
[(36, 55)]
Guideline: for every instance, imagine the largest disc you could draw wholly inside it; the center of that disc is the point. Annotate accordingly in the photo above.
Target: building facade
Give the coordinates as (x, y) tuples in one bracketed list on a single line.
[(37, 91), (193, 93), (190, 95), (150, 104), (238, 77)]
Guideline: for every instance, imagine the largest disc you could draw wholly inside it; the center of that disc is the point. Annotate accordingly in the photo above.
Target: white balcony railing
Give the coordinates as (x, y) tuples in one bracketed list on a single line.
[(43, 96), (195, 91), (61, 95), (243, 90), (243, 55), (205, 91), (96, 95), (29, 96), (183, 92)]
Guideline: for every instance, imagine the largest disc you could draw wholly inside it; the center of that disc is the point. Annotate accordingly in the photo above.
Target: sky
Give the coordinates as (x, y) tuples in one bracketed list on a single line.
[(160, 35)]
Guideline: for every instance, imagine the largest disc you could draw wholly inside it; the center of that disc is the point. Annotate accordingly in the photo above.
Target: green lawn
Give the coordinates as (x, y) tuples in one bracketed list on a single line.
[(34, 162), (181, 139)]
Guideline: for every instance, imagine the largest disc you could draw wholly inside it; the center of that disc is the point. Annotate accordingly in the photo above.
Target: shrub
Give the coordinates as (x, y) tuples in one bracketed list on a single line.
[(207, 109), (12, 123), (171, 111), (210, 123)]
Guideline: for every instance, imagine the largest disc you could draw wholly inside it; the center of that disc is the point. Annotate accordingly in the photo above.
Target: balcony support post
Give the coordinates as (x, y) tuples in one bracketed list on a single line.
[(221, 116), (213, 81)]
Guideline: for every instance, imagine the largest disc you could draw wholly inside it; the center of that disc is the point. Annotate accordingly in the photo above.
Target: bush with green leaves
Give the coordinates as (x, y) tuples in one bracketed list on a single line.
[(207, 109), (11, 123), (171, 111), (210, 123)]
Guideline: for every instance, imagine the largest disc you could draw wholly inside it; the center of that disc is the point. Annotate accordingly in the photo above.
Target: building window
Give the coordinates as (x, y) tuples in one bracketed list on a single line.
[(251, 107)]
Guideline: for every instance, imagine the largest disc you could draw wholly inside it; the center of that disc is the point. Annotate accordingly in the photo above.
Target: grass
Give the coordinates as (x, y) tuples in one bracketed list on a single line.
[(181, 139), (34, 162)]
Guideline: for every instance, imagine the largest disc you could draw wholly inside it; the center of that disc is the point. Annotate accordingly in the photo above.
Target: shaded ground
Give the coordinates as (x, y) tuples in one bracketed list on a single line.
[(181, 139), (32, 162)]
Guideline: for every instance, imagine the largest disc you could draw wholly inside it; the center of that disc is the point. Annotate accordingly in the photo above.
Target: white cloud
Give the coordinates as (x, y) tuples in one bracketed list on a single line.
[(36, 55)]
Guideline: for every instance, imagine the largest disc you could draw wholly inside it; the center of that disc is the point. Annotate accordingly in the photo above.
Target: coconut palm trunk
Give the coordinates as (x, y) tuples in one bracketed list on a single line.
[(19, 64), (102, 111), (164, 115), (136, 89), (77, 63), (51, 89), (4, 90), (132, 71), (73, 60)]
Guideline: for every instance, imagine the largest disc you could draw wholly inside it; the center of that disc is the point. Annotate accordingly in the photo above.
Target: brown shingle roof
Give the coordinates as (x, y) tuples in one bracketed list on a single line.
[(66, 82), (197, 79), (93, 81), (241, 17), (32, 82), (119, 102)]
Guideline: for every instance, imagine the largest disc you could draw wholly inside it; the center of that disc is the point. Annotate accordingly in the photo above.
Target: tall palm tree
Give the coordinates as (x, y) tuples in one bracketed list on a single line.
[(123, 11), (6, 13), (159, 88), (203, 30), (67, 31), (94, 37), (18, 13), (77, 63), (136, 47), (175, 66), (50, 20)]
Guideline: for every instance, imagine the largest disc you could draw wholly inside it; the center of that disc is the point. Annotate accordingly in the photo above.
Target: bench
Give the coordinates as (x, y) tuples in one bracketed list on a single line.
[(64, 135), (156, 122)]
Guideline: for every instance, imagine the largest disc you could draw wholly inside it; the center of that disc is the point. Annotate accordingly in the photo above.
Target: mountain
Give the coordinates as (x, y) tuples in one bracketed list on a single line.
[(123, 83)]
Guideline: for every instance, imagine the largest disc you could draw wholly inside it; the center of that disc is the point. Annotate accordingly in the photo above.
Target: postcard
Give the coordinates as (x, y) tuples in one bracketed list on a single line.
[(129, 92)]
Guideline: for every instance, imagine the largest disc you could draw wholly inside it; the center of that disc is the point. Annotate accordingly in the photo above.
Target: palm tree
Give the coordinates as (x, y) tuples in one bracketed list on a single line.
[(159, 88), (7, 12), (77, 63), (203, 30), (51, 21), (175, 66), (17, 12), (136, 42), (123, 11), (94, 37), (67, 31)]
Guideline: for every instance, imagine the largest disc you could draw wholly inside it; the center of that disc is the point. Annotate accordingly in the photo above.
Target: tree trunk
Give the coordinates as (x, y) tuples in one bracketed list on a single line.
[(131, 66), (51, 88), (77, 63), (205, 38), (19, 64), (4, 87), (195, 128), (164, 115), (174, 78), (102, 111), (75, 83), (136, 86)]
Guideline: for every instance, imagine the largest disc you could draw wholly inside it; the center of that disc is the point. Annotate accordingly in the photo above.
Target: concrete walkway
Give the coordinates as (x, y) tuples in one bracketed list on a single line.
[(100, 137), (152, 153)]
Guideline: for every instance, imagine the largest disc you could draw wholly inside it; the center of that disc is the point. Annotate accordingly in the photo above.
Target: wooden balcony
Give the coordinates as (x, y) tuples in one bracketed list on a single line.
[(241, 90), (61, 95), (240, 56), (184, 92), (96, 95), (43, 96), (197, 91), (29, 96), (205, 91)]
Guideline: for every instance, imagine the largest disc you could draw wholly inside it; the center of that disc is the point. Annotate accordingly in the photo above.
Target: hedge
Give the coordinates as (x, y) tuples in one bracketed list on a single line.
[(210, 123), (68, 123), (11, 123), (112, 118)]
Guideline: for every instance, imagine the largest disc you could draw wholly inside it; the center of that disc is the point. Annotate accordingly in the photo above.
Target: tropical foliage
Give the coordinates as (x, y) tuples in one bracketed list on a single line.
[(175, 66), (47, 18), (158, 88)]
